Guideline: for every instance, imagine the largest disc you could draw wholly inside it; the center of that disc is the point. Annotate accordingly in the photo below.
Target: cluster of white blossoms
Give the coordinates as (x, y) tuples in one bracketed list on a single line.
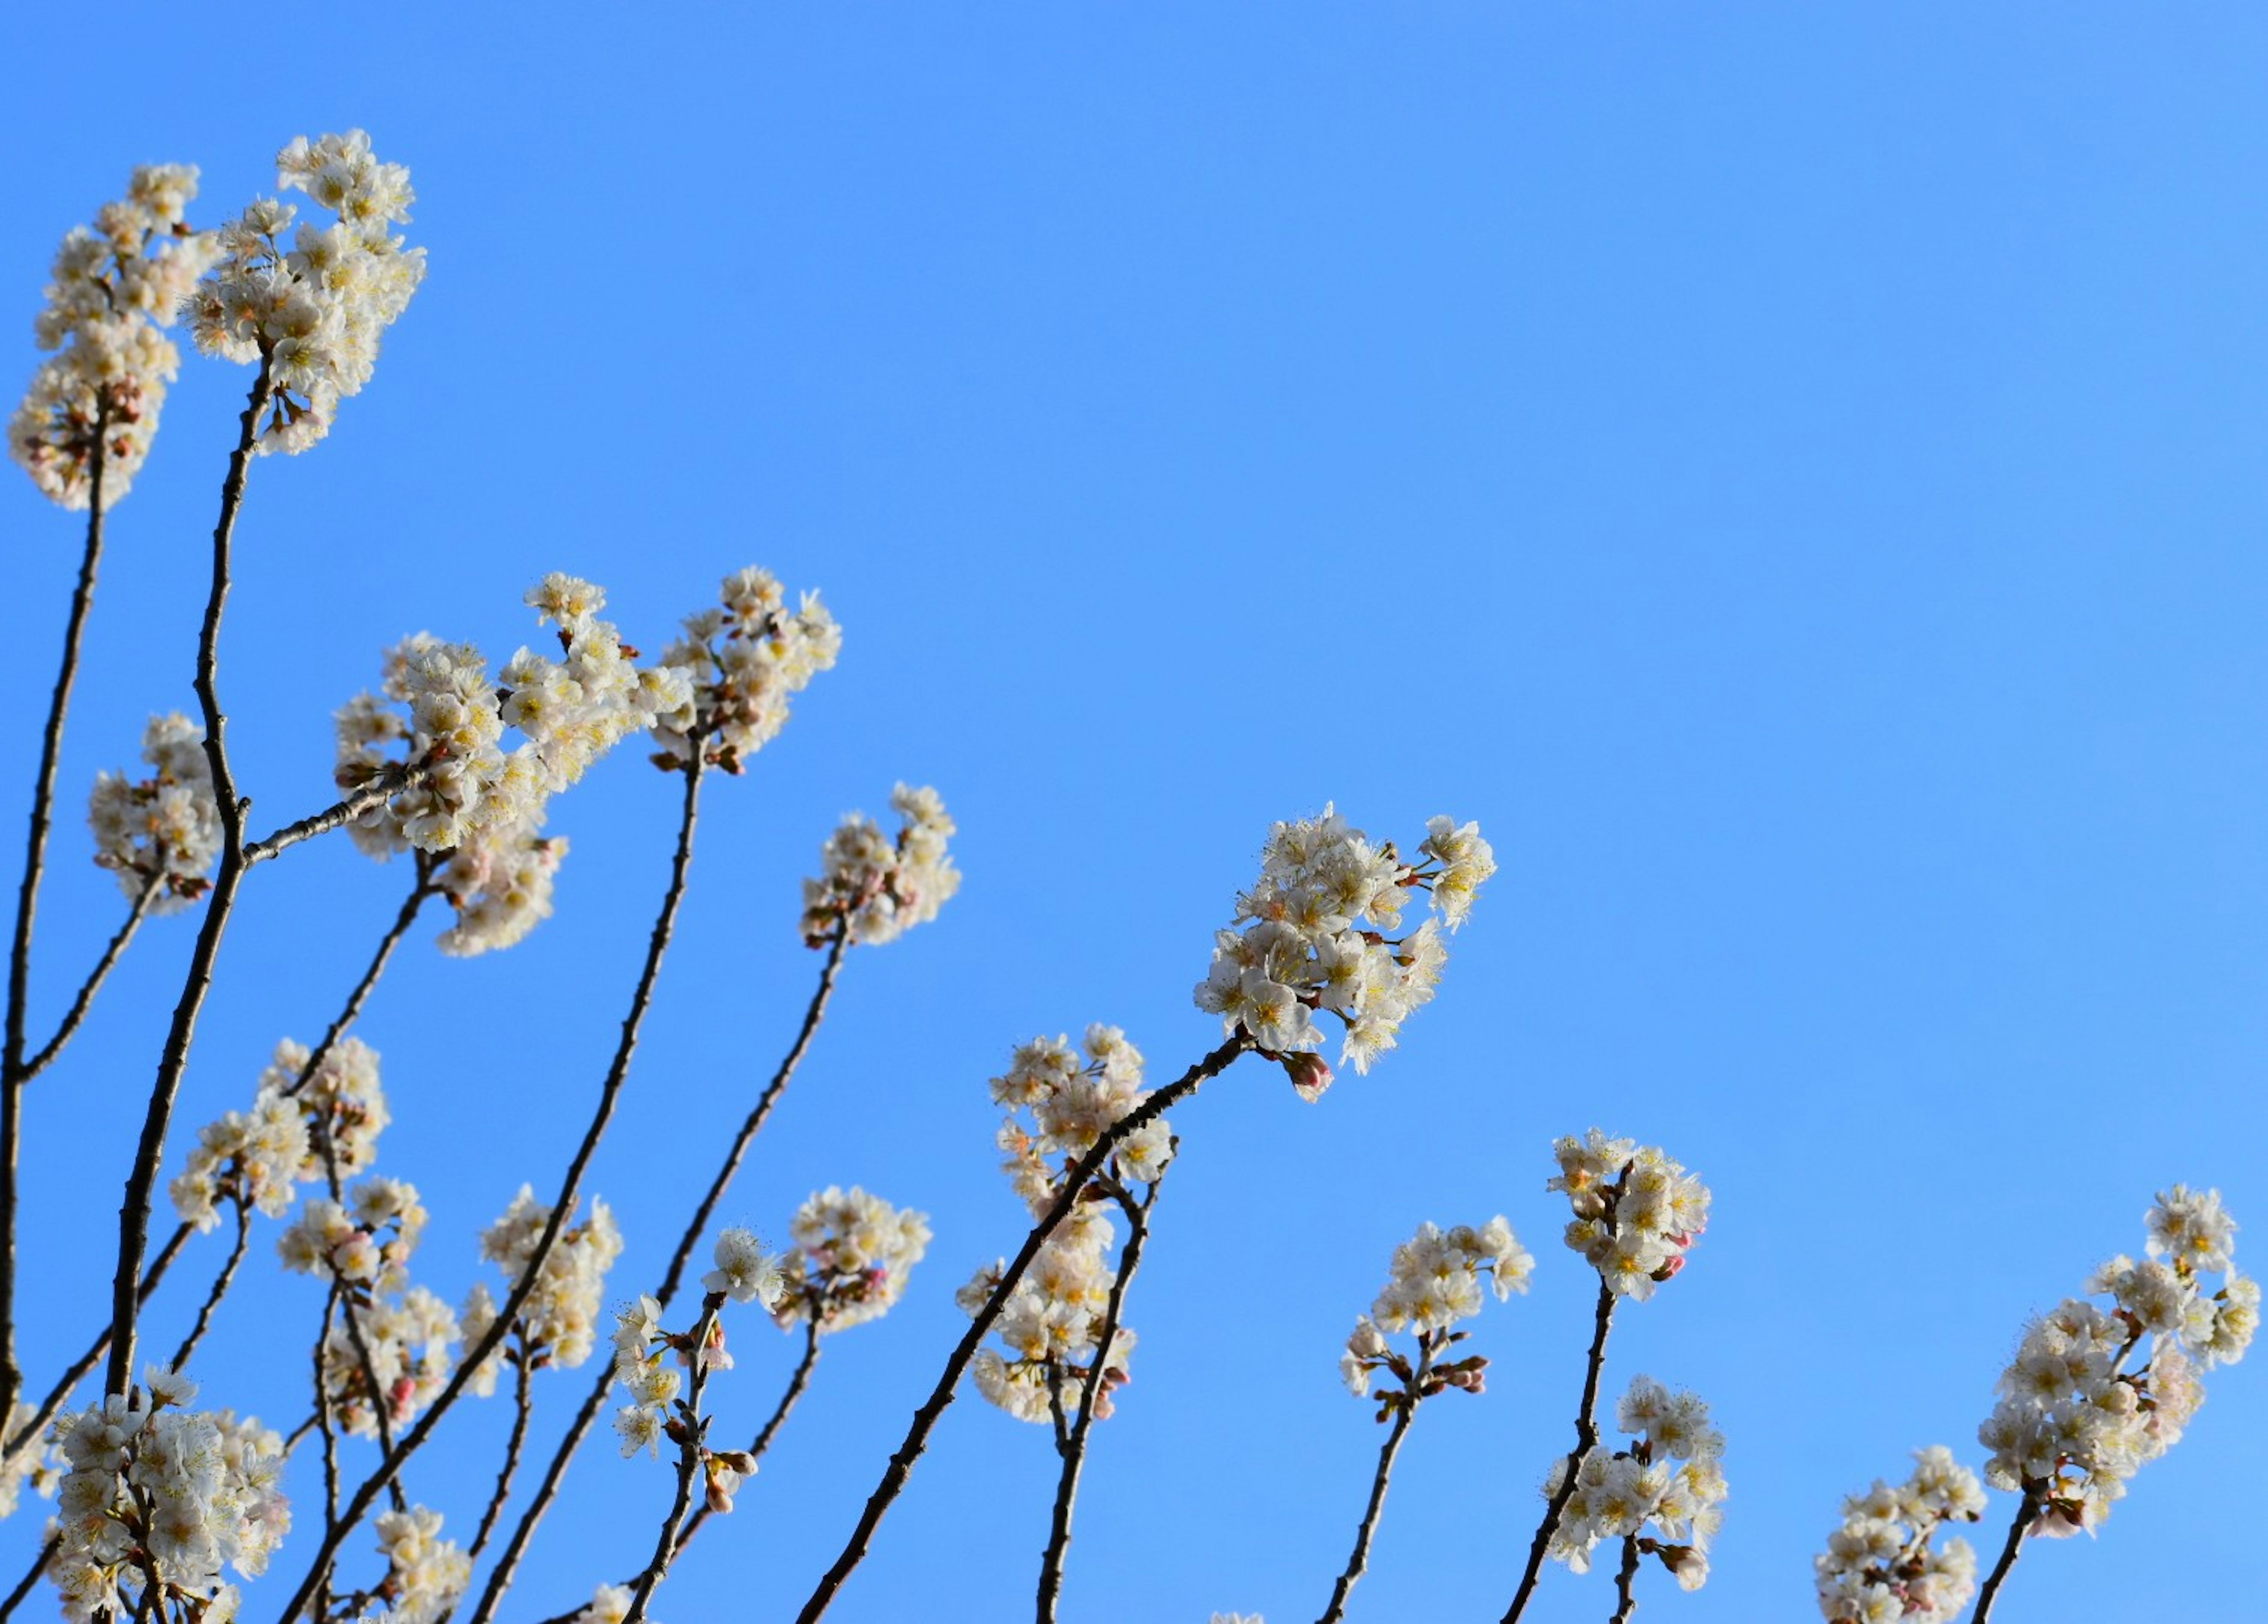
[(365, 1244), (2073, 1423), (1434, 1282), (407, 1338), (1636, 1212), (1051, 1325), (499, 881), (1663, 1490), (1315, 936), (256, 1159), (163, 829), (425, 1574), (852, 1254), (743, 661), (570, 711), (1880, 1566), (610, 1603), (158, 1500), (878, 888), (114, 286), (314, 310), (558, 1323), (1074, 1099), (745, 1272)]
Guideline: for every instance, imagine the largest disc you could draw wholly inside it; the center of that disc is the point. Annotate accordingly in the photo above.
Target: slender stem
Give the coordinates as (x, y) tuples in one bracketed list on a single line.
[(351, 1010), (134, 1211), (2026, 1513), (1586, 1439), (31, 1576), (355, 1340), (219, 1287), (554, 1474), (689, 1467), (900, 1466), (796, 1384), (27, 904), (330, 1443), (376, 793), (1074, 1445), (1359, 1561), (523, 1408), (71, 1377), (570, 1192), (84, 998), (1626, 1582)]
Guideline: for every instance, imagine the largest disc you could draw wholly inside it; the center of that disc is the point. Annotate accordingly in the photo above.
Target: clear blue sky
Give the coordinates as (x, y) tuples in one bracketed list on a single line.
[(1794, 473)]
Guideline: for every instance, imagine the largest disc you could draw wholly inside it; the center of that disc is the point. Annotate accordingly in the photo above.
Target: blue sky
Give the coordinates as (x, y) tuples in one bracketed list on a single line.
[(1793, 474)]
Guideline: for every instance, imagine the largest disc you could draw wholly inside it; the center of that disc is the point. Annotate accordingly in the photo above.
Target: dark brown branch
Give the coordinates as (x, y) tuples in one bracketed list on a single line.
[(48, 1549), (770, 1430), (376, 793), (689, 1467), (421, 889), (220, 1285), (1586, 1439), (2027, 1512), (37, 1425), (134, 1210), (1358, 1559), (330, 1441), (1627, 1582), (84, 1000), (1073, 1448), (522, 1408), (27, 905), (507, 1566), (570, 1192), (900, 1466)]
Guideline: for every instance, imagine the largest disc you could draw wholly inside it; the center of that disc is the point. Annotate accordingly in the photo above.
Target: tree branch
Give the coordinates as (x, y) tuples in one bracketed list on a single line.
[(770, 1429), (926, 1419), (351, 1010), (2027, 1512), (27, 905), (71, 1377), (1586, 1439), (84, 998), (689, 1466), (374, 794), (1626, 1582), (523, 1408), (1358, 1559), (219, 1287)]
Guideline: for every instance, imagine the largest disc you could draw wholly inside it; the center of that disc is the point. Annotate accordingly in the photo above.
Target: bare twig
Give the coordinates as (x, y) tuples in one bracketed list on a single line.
[(71, 1377), (1358, 1559), (770, 1429), (421, 887), (507, 1566), (1586, 1439), (570, 1192), (27, 904), (522, 1408), (31, 1576), (1073, 1447), (219, 1287), (2027, 1512), (84, 999), (134, 1211), (390, 782), (900, 1466), (1627, 1582)]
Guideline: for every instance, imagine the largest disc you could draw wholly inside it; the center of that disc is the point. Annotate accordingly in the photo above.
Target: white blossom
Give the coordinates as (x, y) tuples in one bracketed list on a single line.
[(164, 828), (852, 1254), (1884, 1566), (1636, 1212), (1664, 1488), (879, 887), (741, 662), (557, 1323)]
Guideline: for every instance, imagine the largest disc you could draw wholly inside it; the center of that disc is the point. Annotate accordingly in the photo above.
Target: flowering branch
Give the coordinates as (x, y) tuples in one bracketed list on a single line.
[(2027, 1512), (221, 1282), (500, 1579), (1073, 1447), (688, 1427), (134, 1211), (84, 998), (12, 1075), (376, 793), (900, 1466), (796, 1384), (571, 1188), (1586, 1438)]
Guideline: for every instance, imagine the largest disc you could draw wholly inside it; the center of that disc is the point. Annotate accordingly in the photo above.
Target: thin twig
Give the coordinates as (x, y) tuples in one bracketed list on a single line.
[(1586, 1439), (219, 1287), (27, 904), (770, 1430), (330, 1441), (31, 1576), (421, 887), (1358, 1559), (1626, 1582), (523, 1408), (71, 1377), (901, 1464), (554, 1473), (84, 998), (2027, 1512), (689, 1467), (570, 1192), (389, 782), (134, 1211), (1073, 1448)]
